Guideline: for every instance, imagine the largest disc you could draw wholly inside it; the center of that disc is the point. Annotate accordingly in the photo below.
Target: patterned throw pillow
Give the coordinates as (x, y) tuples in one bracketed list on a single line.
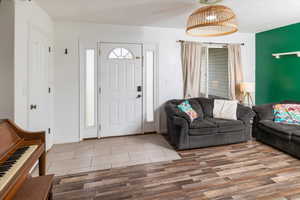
[(187, 108), (287, 113)]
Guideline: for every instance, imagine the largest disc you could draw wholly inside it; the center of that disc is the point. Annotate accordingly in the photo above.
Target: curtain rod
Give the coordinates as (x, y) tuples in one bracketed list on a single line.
[(180, 41)]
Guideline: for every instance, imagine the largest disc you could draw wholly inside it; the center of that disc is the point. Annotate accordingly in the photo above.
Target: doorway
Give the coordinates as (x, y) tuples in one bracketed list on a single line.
[(118, 89), (121, 95), (39, 97)]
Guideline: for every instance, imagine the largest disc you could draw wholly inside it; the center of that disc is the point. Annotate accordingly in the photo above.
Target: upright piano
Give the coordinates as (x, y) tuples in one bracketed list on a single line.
[(19, 152)]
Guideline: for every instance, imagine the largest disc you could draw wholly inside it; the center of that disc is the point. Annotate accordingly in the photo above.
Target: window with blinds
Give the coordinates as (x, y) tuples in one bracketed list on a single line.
[(218, 72)]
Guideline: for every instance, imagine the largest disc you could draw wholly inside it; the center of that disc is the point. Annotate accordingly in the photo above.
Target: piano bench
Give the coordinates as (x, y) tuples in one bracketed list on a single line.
[(36, 188)]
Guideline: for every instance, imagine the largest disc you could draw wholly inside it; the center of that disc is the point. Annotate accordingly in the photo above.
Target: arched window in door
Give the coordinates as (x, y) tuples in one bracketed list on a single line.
[(120, 53)]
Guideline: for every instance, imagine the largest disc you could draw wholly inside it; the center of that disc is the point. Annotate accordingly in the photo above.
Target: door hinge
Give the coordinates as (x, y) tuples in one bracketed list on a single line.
[(49, 49), (100, 90), (49, 130), (99, 52), (49, 90), (99, 127)]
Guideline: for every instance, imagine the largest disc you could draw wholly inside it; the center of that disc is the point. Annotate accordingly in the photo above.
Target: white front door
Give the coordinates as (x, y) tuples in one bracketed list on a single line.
[(38, 96), (121, 97)]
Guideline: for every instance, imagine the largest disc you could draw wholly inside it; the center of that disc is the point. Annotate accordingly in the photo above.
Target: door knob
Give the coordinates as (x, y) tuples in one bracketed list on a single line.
[(139, 96)]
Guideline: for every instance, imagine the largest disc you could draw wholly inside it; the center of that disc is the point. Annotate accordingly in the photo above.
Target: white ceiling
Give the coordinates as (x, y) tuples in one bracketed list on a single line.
[(253, 15)]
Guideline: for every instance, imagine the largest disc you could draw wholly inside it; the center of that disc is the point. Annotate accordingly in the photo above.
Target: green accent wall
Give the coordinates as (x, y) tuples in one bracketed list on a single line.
[(277, 79)]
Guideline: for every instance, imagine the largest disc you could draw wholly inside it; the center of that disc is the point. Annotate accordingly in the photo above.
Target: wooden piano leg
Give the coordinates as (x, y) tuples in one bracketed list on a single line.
[(42, 164)]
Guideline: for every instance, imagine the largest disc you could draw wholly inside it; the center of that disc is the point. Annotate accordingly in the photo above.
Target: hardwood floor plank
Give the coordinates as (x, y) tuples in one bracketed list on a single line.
[(245, 171)]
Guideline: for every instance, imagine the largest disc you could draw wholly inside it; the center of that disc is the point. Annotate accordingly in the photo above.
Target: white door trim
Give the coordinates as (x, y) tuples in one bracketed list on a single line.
[(82, 43)]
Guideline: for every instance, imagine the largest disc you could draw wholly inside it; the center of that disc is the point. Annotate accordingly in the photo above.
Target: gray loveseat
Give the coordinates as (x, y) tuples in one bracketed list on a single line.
[(206, 131), (282, 136)]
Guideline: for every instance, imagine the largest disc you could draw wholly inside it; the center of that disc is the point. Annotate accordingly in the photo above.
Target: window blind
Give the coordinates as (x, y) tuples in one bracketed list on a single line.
[(218, 72)]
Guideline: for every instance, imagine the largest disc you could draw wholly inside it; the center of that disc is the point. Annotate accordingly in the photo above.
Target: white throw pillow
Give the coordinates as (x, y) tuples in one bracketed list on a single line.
[(225, 109)]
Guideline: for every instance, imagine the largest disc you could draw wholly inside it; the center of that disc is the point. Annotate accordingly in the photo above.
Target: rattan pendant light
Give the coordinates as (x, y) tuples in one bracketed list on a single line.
[(209, 1), (209, 21)]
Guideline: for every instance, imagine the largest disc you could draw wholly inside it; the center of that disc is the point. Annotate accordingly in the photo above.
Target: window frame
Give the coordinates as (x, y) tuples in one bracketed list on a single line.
[(84, 131), (92, 91), (149, 126), (120, 57), (208, 68)]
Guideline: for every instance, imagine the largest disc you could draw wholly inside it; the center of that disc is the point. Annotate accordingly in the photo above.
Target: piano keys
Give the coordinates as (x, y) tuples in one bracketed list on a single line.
[(19, 151), (11, 166)]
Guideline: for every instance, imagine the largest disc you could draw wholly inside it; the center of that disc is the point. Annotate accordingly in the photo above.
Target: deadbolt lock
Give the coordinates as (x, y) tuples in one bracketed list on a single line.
[(33, 107), (139, 88)]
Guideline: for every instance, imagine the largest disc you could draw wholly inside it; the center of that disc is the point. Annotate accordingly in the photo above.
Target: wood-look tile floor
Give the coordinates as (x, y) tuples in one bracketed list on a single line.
[(233, 172)]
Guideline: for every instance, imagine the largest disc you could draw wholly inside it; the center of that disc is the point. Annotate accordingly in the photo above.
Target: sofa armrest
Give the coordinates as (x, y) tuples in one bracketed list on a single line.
[(179, 133), (181, 122), (245, 114)]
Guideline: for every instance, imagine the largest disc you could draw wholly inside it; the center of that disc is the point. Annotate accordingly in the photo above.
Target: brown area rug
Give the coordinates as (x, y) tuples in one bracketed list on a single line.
[(240, 171)]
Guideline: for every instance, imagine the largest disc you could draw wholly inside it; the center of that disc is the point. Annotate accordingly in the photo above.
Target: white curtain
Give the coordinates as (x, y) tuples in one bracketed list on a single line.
[(235, 71), (194, 66)]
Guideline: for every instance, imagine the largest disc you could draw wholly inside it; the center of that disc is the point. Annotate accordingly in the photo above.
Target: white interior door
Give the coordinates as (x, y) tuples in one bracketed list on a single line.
[(121, 97), (38, 94)]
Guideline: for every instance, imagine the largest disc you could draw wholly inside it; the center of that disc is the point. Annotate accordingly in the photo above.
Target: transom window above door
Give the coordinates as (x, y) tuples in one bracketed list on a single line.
[(120, 53)]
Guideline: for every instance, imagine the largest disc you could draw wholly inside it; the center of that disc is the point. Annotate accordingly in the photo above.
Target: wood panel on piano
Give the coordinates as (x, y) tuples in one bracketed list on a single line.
[(19, 151)]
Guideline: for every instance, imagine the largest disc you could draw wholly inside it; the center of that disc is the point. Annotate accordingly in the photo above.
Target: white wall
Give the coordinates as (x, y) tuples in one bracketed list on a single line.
[(7, 59), (26, 14), (66, 72)]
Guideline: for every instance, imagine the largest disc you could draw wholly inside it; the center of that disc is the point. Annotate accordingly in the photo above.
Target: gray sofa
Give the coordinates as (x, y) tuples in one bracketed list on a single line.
[(206, 131), (281, 136)]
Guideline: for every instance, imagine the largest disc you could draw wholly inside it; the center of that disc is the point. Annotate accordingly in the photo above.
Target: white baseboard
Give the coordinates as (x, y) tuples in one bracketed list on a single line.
[(65, 141)]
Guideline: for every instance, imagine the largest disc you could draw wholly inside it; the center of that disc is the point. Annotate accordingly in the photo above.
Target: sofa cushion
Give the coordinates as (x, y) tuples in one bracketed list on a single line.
[(225, 122), (202, 127), (227, 125), (296, 135), (188, 109), (198, 123), (207, 106), (265, 111), (244, 114), (229, 129), (172, 109), (202, 131), (197, 107), (284, 131)]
